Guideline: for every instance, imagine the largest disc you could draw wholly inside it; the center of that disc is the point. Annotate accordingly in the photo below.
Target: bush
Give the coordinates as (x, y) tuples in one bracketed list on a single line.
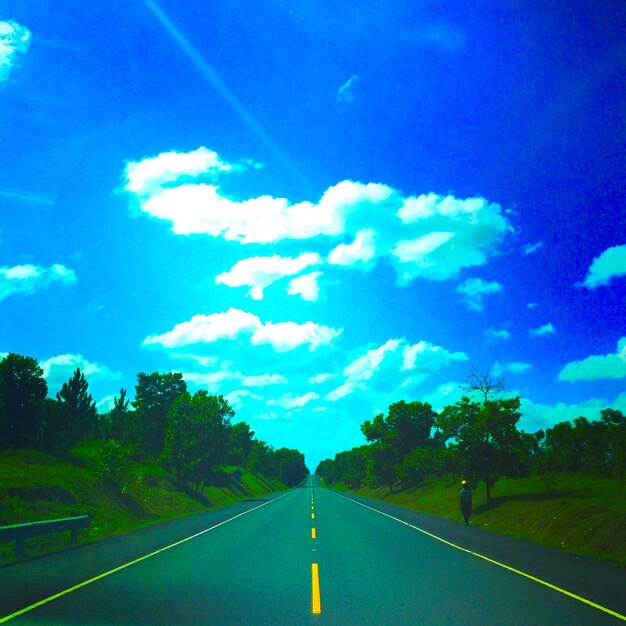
[(113, 461)]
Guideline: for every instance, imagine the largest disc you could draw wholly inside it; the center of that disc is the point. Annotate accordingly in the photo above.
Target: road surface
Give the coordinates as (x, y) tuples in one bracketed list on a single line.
[(311, 556)]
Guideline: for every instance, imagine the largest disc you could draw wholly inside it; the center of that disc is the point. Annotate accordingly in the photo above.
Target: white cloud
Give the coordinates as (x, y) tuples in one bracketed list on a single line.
[(394, 362), (305, 286), (59, 369), (345, 93), (445, 395), (364, 367), (320, 378), (207, 329), (238, 324), (285, 336), (344, 390), (150, 175), (543, 331), (429, 236), (610, 264), (289, 401), (597, 367), (212, 381), (260, 272), (14, 40), (204, 361), (516, 367), (449, 234), (106, 404), (492, 334), (27, 279), (531, 248), (360, 252), (473, 291), (542, 416), (263, 380)]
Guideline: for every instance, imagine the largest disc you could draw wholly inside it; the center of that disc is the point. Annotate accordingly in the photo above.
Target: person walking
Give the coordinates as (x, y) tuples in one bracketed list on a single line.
[(465, 495)]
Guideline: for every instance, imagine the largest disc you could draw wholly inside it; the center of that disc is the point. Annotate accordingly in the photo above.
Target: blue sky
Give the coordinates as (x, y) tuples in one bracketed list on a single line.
[(318, 208)]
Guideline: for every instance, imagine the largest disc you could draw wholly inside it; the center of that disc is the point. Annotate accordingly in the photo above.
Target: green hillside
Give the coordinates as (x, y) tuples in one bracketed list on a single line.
[(581, 514), (36, 486)]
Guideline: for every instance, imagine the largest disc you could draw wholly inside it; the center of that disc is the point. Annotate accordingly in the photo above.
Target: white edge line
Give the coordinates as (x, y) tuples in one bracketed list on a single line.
[(486, 558), (142, 558)]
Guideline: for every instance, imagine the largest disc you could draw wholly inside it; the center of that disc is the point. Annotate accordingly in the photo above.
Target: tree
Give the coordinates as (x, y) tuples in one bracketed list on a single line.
[(23, 390), (615, 423), (197, 436), (485, 437), (379, 470), (483, 382), (261, 459), (240, 443), (122, 425), (407, 425), (154, 396), (292, 470), (77, 411)]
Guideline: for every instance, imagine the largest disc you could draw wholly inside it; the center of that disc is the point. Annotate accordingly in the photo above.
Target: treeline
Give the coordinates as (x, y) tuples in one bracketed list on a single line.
[(478, 441), (192, 436)]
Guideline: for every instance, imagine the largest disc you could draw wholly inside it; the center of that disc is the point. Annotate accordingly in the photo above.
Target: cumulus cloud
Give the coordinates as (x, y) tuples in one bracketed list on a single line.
[(610, 264), (27, 279), (263, 380), (474, 290), (286, 336), (207, 329), (305, 286), (59, 369), (358, 253), (236, 324), (345, 93), (492, 334), (445, 395), (516, 367), (347, 388), (428, 236), (289, 401), (542, 416), (597, 367), (450, 234), (14, 41), (319, 379), (394, 360), (543, 331), (260, 272), (152, 174)]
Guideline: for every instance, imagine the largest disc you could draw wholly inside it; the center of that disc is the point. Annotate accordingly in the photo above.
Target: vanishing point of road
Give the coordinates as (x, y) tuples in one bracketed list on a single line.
[(311, 556)]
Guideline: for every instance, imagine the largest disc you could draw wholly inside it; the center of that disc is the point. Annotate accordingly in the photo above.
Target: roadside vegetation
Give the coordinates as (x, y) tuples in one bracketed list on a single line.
[(562, 487), (166, 454)]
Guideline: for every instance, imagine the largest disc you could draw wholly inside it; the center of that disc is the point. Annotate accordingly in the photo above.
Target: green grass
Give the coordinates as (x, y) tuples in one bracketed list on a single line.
[(36, 486), (581, 514)]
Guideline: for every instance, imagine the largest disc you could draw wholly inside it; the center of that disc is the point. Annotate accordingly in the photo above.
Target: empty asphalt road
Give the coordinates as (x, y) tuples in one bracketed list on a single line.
[(311, 556)]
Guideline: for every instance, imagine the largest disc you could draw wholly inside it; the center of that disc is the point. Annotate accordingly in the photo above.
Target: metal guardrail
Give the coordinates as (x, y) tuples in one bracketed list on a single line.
[(18, 533)]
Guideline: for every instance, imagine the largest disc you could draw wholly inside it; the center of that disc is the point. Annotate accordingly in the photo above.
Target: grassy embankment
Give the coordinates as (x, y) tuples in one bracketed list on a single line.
[(581, 514), (36, 486)]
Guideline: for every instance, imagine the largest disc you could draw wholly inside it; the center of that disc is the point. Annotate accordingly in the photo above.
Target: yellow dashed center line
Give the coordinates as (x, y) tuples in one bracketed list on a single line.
[(313, 534), (312, 515), (316, 601)]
